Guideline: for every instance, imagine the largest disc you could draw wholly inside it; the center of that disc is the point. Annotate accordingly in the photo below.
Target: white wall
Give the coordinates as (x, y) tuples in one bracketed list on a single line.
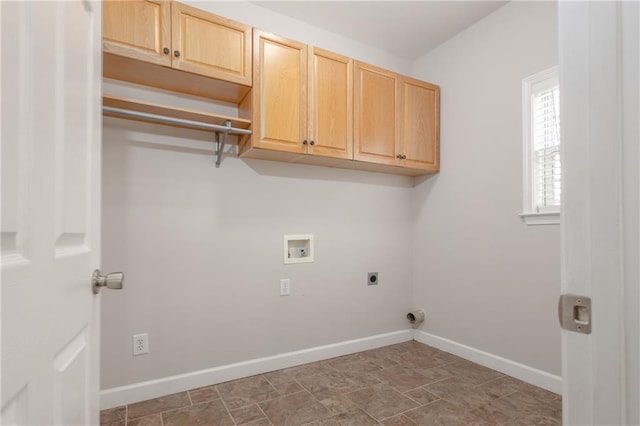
[(202, 247), (268, 20), (485, 278)]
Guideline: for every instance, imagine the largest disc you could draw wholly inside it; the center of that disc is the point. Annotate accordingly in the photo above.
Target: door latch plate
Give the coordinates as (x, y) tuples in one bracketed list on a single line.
[(574, 313)]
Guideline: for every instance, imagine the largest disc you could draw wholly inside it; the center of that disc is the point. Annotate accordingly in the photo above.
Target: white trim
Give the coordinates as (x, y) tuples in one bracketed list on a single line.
[(523, 372), (528, 203), (549, 218), (122, 395)]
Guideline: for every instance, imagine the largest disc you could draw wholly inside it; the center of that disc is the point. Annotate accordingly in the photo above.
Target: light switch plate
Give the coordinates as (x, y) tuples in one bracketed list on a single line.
[(285, 287)]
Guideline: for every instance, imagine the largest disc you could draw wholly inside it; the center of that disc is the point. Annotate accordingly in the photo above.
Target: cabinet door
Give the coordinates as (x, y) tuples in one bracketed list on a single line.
[(420, 128), (376, 103), (330, 104), (279, 93), (210, 45), (138, 29)]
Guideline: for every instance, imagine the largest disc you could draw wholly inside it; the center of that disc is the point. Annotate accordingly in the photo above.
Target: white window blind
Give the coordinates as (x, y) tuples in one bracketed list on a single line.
[(542, 166), (546, 149)]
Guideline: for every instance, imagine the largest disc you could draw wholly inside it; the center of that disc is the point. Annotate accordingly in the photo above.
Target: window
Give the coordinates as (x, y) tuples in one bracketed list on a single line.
[(541, 135)]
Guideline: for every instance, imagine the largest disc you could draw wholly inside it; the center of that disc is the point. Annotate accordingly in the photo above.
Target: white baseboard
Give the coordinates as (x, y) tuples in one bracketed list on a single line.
[(129, 394), (523, 372)]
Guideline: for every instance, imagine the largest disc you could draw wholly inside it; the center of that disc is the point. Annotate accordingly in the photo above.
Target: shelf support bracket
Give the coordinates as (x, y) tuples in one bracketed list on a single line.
[(220, 143)]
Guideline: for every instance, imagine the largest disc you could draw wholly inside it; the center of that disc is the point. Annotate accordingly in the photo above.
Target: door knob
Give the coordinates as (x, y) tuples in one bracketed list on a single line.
[(113, 281)]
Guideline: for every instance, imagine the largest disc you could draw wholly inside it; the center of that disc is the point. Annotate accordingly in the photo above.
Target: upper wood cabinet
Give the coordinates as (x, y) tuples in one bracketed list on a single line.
[(179, 36), (330, 120), (210, 45), (396, 119), (376, 131), (420, 126), (139, 29), (302, 100), (307, 105), (279, 93)]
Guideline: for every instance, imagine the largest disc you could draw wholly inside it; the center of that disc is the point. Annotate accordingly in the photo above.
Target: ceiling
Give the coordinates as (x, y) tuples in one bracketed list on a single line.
[(407, 29)]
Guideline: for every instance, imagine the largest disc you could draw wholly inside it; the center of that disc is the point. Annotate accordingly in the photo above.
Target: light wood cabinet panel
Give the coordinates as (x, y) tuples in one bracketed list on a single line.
[(376, 133), (139, 29), (177, 36), (210, 45), (279, 93), (302, 102), (330, 104), (420, 128)]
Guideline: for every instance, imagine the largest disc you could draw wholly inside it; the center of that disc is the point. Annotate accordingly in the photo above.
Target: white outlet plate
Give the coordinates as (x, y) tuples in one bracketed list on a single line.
[(140, 344), (285, 287)]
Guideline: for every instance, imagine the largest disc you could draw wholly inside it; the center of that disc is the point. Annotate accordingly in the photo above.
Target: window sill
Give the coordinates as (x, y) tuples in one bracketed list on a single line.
[(549, 218)]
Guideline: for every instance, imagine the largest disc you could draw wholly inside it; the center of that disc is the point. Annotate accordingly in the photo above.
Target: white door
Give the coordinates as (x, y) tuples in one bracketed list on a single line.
[(600, 93), (51, 142)]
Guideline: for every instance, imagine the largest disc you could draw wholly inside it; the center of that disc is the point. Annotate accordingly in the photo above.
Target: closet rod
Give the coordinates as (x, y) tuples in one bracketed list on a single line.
[(173, 120)]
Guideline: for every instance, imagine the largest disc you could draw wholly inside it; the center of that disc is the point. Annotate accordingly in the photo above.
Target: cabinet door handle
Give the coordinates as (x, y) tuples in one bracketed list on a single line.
[(166, 50), (399, 157), (304, 142), (176, 53), (404, 157), (312, 143)]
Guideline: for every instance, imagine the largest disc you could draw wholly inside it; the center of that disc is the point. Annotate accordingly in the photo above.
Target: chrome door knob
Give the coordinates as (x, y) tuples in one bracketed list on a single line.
[(113, 281)]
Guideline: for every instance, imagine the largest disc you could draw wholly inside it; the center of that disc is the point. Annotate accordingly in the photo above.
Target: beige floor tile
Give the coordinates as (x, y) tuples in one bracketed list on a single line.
[(407, 378), (381, 356), (113, 416), (243, 392), (422, 396), (502, 387), (248, 414), (153, 420), (399, 420), (539, 420), (355, 417), (210, 413), (296, 409), (158, 405), (381, 401), (442, 413), (207, 393), (419, 359), (338, 404), (262, 422), (298, 372), (472, 373), (287, 388), (353, 364), (492, 416), (541, 394), (362, 379), (325, 385), (521, 404), (460, 393)]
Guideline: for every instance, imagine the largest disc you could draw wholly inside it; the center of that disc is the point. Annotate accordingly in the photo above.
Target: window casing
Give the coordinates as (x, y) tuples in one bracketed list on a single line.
[(541, 136)]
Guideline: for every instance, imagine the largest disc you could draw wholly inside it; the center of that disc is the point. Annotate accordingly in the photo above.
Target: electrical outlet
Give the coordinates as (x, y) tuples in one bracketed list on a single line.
[(140, 344), (285, 287), (372, 278)]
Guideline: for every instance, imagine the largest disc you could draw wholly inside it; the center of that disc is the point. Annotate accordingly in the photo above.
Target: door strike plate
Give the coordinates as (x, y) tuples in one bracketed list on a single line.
[(574, 313)]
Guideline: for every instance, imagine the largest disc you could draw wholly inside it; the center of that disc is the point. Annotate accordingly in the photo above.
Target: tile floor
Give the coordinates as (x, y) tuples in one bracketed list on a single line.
[(404, 384)]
